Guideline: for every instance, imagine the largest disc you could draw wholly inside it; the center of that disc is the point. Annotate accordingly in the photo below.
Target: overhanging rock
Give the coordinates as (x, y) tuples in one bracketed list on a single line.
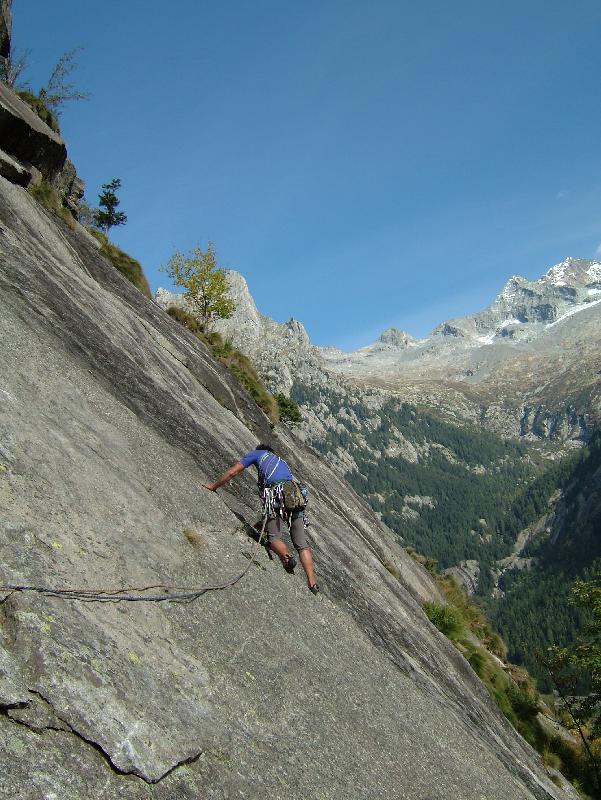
[(26, 137)]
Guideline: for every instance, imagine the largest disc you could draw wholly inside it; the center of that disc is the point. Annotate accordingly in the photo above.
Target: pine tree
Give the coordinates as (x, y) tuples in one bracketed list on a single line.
[(106, 217)]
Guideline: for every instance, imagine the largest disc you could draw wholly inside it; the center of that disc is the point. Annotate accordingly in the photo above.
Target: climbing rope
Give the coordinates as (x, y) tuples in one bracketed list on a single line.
[(135, 594)]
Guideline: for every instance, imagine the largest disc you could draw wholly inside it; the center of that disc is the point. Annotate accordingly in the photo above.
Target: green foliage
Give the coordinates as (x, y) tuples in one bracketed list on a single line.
[(511, 687), (574, 764), (48, 102), (288, 409), (241, 367), (478, 477), (107, 216), (583, 656), (58, 91), (47, 196), (478, 662), (446, 618), (40, 108), (238, 364), (126, 265), (187, 320), (471, 615), (204, 282)]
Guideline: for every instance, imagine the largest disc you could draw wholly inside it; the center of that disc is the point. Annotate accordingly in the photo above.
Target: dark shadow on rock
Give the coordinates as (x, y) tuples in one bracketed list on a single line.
[(254, 532)]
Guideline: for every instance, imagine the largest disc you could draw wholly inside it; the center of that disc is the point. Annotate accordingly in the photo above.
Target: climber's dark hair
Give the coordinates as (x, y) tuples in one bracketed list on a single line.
[(262, 446)]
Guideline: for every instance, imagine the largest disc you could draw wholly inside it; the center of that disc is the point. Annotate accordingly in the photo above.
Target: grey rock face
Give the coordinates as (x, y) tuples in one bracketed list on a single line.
[(110, 415), (395, 337), (466, 573), (70, 187), (24, 136), (31, 151), (5, 27), (13, 171)]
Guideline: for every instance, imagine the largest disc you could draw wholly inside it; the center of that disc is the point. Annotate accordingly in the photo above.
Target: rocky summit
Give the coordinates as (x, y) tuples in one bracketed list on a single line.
[(110, 415)]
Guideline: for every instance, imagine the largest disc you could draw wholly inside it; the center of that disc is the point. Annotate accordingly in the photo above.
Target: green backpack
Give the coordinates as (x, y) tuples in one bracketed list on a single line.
[(294, 496)]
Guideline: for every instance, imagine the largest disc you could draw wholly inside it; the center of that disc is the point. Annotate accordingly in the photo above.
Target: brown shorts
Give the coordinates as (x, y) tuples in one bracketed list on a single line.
[(276, 526)]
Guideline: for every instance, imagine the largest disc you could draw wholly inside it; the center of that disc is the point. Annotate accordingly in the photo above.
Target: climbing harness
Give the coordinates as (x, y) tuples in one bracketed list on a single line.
[(282, 498), (274, 501), (170, 593), (270, 500)]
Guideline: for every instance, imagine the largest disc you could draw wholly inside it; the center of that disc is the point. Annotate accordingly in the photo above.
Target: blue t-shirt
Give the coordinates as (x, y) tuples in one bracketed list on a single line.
[(272, 468)]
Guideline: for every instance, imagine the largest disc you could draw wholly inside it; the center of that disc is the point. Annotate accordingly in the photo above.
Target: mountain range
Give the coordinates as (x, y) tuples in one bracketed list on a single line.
[(528, 365)]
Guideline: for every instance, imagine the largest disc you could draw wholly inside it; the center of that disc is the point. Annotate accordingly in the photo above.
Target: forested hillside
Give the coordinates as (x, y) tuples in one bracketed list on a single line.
[(534, 611), (451, 492)]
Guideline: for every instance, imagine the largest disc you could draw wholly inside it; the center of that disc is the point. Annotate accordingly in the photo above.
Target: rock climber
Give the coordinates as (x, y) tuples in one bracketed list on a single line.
[(273, 473)]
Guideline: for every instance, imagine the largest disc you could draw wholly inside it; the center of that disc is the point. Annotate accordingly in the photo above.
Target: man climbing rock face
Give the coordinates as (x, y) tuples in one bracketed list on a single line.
[(273, 475)]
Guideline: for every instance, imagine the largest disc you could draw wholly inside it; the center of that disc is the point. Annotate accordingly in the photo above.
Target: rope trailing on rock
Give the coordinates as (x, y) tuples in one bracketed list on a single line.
[(136, 594)]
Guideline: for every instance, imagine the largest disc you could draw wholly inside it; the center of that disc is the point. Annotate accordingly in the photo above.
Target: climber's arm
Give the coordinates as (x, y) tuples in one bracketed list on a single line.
[(223, 479)]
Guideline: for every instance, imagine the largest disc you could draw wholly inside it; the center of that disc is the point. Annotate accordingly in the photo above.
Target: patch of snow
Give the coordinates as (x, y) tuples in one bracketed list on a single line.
[(558, 273), (594, 271), (594, 291), (486, 339), (574, 310), (507, 322)]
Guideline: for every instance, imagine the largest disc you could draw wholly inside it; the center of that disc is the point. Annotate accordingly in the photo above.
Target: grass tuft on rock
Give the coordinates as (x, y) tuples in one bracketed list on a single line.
[(431, 564), (391, 567), (195, 538), (447, 619), (186, 320), (126, 265), (38, 106), (47, 196)]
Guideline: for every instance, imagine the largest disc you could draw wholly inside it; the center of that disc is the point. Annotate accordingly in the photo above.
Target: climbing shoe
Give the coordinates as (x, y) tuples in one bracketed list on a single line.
[(290, 564), (314, 588)]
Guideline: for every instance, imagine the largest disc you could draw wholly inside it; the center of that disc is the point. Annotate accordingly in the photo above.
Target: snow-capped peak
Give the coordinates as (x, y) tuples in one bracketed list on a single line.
[(573, 272), (557, 275)]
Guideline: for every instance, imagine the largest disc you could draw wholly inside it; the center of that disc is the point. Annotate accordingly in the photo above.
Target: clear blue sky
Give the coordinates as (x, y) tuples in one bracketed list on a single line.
[(362, 164)]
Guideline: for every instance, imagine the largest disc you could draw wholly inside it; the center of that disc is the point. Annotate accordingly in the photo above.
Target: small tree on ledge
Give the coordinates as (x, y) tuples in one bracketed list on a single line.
[(57, 91), (107, 217), (205, 284)]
